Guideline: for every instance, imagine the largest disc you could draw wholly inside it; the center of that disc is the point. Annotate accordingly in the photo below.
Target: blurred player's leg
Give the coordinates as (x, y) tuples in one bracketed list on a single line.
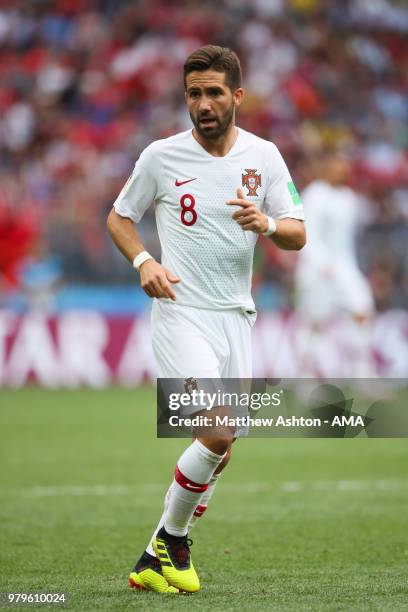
[(359, 349), (358, 307), (307, 343)]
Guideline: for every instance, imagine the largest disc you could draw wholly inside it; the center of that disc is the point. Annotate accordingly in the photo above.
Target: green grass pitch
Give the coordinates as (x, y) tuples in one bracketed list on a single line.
[(300, 524)]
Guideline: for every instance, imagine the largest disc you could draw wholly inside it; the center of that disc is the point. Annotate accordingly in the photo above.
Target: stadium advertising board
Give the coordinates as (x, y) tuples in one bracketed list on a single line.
[(86, 348)]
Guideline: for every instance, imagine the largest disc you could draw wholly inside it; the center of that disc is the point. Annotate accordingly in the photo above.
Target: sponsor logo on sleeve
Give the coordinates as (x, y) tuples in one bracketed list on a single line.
[(294, 194)]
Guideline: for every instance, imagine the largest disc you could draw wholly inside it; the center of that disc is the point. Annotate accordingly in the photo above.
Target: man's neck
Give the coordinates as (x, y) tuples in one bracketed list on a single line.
[(218, 147)]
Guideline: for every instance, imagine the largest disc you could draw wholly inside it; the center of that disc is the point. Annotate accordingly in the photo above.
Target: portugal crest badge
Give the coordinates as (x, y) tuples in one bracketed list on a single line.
[(190, 385), (251, 180)]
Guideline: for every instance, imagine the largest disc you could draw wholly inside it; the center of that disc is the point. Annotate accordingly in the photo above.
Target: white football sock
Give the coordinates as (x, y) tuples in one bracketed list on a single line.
[(150, 548), (198, 512), (191, 477), (204, 500)]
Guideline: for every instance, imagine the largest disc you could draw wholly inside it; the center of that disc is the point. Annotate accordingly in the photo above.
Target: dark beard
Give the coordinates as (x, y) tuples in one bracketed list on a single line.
[(219, 130)]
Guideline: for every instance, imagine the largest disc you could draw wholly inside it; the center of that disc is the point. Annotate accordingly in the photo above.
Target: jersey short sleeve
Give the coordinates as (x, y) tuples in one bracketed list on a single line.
[(140, 190), (282, 199)]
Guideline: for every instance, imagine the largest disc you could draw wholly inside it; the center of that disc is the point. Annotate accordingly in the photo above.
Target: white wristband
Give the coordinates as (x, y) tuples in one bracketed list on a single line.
[(140, 259), (271, 227)]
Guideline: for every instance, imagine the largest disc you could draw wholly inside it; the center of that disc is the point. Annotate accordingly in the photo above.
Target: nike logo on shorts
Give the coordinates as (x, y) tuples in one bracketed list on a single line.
[(179, 183)]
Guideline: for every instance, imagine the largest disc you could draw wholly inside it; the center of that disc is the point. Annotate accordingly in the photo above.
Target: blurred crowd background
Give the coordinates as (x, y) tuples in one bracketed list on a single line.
[(85, 85)]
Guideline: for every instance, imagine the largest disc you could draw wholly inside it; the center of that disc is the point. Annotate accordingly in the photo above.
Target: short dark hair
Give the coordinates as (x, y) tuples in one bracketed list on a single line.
[(221, 59)]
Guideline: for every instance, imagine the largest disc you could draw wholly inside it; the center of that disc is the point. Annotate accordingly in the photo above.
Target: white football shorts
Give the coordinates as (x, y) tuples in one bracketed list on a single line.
[(201, 343), (321, 298)]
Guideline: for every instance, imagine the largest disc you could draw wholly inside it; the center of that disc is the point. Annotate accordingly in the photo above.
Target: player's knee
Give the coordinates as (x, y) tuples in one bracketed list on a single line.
[(219, 445), (225, 461), (222, 445)]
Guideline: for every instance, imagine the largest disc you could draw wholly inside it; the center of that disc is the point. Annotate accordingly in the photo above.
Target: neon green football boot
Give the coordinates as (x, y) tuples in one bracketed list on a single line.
[(175, 558), (147, 576)]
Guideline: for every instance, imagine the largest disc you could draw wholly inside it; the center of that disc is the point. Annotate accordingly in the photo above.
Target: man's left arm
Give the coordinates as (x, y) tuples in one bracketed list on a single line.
[(288, 233)]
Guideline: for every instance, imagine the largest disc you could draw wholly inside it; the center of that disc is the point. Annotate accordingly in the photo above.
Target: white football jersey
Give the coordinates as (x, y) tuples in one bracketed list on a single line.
[(200, 241), (332, 223), (328, 277)]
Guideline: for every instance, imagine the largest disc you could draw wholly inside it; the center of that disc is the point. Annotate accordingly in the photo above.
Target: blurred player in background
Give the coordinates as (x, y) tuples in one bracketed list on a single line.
[(203, 310), (330, 285)]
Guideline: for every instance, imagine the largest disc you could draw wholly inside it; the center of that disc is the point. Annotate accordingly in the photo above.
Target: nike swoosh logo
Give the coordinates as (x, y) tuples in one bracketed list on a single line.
[(190, 486), (179, 183)]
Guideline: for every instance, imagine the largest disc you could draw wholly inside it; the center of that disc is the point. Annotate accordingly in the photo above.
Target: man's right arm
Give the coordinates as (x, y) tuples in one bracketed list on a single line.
[(155, 279)]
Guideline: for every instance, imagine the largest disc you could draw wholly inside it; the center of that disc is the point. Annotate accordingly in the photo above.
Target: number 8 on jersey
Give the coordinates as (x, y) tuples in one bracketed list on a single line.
[(188, 213)]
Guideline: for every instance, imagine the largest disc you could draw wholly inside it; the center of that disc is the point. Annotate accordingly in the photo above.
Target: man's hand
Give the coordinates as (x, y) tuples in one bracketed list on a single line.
[(249, 217), (156, 281)]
